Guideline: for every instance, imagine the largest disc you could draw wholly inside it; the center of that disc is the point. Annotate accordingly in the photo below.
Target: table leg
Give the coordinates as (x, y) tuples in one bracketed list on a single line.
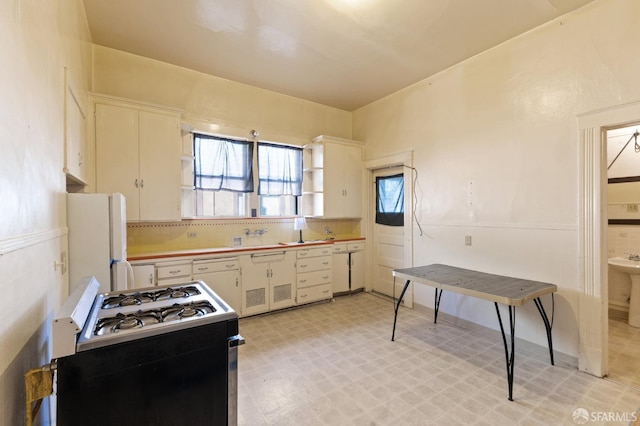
[(395, 316), (547, 325), (510, 356), (437, 305)]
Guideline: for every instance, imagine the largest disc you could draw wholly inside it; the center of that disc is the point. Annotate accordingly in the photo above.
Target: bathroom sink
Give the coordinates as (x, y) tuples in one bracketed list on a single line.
[(625, 265), (631, 267)]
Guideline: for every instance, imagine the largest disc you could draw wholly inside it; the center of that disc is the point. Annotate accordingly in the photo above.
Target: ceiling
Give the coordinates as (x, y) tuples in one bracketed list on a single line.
[(341, 53)]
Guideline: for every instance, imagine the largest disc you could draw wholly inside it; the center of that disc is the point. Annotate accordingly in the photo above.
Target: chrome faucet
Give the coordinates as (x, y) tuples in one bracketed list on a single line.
[(248, 232), (633, 256)]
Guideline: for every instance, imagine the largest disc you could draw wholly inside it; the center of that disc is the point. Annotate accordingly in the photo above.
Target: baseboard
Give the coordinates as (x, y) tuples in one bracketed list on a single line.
[(560, 358)]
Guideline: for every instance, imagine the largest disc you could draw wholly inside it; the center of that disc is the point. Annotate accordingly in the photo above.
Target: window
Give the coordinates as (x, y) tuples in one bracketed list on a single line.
[(223, 175), (390, 200), (279, 179)]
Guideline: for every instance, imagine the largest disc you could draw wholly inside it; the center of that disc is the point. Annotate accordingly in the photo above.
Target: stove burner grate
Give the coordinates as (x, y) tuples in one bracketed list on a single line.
[(139, 319), (139, 298), (126, 322)]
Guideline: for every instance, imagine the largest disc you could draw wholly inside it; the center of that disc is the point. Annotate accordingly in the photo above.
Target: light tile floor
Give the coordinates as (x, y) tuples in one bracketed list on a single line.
[(624, 352), (334, 364)]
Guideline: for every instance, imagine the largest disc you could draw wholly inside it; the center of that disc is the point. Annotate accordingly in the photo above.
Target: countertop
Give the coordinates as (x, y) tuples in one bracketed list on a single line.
[(232, 250)]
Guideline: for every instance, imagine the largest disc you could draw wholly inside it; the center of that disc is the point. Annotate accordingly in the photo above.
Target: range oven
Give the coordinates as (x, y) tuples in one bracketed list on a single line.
[(155, 356)]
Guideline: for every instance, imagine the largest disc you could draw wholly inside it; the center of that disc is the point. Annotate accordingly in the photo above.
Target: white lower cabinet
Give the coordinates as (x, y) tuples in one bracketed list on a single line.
[(349, 267), (143, 276), (223, 277), (314, 269), (268, 281)]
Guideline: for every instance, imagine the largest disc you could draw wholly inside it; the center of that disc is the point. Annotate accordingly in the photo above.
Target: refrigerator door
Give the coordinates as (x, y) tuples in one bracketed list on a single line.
[(118, 226), (88, 223), (120, 272)]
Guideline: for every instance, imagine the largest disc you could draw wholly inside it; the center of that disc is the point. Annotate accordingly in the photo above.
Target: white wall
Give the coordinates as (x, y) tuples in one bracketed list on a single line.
[(37, 40), (276, 116), (506, 121)]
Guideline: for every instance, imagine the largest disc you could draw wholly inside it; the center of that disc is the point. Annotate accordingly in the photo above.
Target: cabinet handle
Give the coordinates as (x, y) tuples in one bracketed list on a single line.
[(141, 183), (325, 277), (175, 271), (303, 296), (79, 159), (326, 291), (203, 268), (303, 266), (325, 263), (230, 266), (303, 281), (236, 282), (150, 278), (136, 183)]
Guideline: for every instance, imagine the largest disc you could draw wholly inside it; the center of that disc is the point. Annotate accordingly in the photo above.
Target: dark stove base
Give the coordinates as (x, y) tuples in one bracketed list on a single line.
[(178, 378)]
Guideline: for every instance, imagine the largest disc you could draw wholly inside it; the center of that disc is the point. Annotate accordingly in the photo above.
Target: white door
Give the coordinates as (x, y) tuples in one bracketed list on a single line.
[(388, 245)]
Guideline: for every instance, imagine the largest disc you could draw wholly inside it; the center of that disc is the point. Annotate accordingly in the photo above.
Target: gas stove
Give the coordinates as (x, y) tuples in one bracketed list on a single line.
[(174, 349), (104, 319)]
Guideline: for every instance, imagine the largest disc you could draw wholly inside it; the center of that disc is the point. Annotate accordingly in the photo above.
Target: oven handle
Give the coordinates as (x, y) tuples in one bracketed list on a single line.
[(236, 340)]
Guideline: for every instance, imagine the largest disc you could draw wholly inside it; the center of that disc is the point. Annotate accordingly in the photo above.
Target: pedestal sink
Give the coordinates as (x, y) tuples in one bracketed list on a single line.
[(631, 267)]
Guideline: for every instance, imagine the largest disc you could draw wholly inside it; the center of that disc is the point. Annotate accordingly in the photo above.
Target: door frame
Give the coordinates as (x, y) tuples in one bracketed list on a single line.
[(404, 159), (593, 301)]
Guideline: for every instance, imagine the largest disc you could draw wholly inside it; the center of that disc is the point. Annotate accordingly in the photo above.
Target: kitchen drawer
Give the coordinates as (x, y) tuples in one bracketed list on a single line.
[(355, 246), (217, 265), (314, 264), (174, 271), (340, 248), (311, 294), (314, 252), (314, 278)]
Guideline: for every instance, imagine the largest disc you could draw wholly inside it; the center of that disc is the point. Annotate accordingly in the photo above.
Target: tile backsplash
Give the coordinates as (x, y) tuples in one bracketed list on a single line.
[(152, 237)]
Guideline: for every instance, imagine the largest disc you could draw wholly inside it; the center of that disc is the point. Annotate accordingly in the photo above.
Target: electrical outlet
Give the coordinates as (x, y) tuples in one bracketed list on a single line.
[(191, 234), (467, 240)]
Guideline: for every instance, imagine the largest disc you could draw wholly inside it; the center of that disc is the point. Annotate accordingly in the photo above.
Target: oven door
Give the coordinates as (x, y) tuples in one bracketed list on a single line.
[(173, 378)]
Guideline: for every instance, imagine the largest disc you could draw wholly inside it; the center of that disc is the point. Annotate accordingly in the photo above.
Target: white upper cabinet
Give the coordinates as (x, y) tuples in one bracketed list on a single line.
[(333, 178), (138, 153), (75, 134)]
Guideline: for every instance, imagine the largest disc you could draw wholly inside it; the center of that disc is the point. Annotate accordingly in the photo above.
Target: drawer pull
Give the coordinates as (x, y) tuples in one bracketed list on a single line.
[(175, 271), (229, 265), (325, 277), (303, 266), (303, 296), (303, 281), (325, 291), (325, 263), (203, 268)]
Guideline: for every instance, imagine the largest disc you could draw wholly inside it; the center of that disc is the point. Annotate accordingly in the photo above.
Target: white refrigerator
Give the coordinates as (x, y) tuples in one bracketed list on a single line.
[(97, 226)]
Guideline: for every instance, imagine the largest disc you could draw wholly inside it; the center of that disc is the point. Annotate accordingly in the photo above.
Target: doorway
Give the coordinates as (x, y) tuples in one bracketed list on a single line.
[(391, 248), (623, 239), (388, 229), (593, 317)]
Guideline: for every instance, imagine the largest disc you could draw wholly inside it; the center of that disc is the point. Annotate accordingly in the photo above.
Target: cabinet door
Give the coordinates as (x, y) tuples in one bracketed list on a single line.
[(340, 272), (117, 154), (75, 136), (255, 286), (357, 270), (143, 276), (352, 181), (283, 281), (225, 284), (333, 185), (342, 180), (160, 166)]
